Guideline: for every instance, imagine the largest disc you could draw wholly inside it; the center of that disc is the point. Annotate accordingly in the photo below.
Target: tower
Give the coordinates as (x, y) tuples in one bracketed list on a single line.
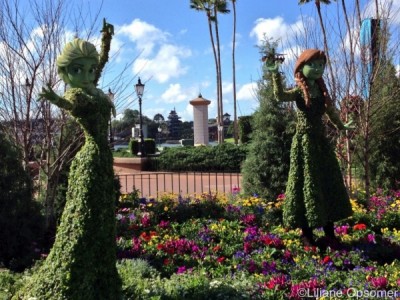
[(200, 120)]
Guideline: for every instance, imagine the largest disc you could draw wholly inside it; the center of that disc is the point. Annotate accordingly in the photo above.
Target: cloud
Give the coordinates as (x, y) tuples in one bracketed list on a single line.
[(144, 35), (159, 58), (227, 87), (275, 28), (247, 91), (175, 94), (166, 64)]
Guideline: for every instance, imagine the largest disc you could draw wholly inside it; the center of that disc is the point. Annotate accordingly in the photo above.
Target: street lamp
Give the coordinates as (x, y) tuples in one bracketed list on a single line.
[(159, 135), (27, 87), (139, 87), (111, 96)]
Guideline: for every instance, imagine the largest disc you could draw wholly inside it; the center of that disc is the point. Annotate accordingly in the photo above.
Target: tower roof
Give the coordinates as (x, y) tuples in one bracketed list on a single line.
[(200, 101)]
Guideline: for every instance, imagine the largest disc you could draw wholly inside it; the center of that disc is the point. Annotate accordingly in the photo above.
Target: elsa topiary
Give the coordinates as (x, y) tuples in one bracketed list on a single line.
[(82, 262)]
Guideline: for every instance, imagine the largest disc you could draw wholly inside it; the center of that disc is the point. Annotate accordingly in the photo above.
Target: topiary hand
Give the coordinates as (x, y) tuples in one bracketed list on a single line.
[(107, 28), (349, 125), (272, 65), (49, 94)]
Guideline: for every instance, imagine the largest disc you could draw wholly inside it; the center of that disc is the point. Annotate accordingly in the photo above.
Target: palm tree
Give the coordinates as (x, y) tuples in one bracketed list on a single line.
[(212, 8), (326, 49), (235, 125)]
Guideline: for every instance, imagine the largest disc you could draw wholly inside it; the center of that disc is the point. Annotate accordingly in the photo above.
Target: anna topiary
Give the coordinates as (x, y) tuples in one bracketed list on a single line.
[(82, 262)]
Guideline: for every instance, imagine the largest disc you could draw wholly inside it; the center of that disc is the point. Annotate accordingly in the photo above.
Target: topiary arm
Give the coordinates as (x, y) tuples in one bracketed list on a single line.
[(279, 92), (107, 33), (335, 118), (49, 94)]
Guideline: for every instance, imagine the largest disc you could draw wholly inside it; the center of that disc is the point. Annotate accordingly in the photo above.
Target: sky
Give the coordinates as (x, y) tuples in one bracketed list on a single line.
[(167, 45)]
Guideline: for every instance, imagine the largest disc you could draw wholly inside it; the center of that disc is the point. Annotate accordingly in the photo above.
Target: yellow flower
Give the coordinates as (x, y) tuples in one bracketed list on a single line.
[(166, 208)]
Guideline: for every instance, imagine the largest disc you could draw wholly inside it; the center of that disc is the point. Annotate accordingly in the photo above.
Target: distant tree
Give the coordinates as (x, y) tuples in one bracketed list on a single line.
[(385, 129), (266, 167), (187, 130), (158, 118), (174, 125)]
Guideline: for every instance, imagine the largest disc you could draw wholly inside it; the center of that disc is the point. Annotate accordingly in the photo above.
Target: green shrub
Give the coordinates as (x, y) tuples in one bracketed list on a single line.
[(149, 146), (9, 283), (136, 276), (20, 219), (245, 128), (224, 157)]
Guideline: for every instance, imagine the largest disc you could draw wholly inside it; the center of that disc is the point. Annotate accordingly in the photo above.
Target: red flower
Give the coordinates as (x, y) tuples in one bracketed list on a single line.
[(360, 227), (221, 259), (310, 249), (327, 259)]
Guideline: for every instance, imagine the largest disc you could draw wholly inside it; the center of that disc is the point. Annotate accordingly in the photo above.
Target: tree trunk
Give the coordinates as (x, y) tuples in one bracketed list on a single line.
[(217, 72), (235, 124), (219, 80)]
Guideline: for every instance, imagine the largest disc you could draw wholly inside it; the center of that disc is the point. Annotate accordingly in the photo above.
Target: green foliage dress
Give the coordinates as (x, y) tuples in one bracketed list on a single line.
[(315, 192), (82, 262)]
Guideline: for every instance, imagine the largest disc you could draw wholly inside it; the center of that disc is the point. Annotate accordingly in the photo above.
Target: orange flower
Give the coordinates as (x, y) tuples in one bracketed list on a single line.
[(216, 248)]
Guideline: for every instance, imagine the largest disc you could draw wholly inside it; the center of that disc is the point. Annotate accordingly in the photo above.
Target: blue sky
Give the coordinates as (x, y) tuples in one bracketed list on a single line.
[(167, 44)]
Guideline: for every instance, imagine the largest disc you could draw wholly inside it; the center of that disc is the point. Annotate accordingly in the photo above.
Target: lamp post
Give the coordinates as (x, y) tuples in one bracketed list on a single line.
[(159, 135), (111, 136), (139, 87)]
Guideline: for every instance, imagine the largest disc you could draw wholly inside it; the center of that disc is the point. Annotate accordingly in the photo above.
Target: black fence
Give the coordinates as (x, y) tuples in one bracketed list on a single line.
[(152, 184)]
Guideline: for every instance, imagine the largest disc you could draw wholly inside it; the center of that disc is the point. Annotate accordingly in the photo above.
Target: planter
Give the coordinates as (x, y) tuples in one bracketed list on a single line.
[(127, 165)]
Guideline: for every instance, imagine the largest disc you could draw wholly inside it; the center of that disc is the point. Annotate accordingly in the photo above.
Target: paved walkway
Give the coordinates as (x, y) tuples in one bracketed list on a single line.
[(152, 184)]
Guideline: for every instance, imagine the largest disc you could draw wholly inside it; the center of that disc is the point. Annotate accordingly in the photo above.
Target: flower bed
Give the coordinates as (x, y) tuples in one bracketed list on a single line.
[(215, 246), (234, 248)]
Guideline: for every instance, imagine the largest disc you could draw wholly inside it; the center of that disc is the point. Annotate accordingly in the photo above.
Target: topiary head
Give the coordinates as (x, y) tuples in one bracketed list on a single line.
[(77, 63)]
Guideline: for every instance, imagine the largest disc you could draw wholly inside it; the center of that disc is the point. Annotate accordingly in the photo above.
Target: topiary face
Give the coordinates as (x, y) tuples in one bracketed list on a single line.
[(81, 72), (314, 69)]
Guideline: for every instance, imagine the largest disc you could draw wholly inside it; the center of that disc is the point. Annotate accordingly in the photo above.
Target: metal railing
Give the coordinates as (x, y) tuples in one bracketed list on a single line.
[(152, 184)]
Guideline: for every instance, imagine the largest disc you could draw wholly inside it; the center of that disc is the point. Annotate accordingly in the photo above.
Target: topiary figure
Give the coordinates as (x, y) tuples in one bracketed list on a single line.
[(82, 262), (315, 193)]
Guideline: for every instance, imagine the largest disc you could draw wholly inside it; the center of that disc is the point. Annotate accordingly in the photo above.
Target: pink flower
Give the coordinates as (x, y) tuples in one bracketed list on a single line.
[(277, 283), (379, 283), (181, 270), (281, 197), (249, 219), (164, 224), (342, 230), (371, 238), (235, 190), (145, 221)]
